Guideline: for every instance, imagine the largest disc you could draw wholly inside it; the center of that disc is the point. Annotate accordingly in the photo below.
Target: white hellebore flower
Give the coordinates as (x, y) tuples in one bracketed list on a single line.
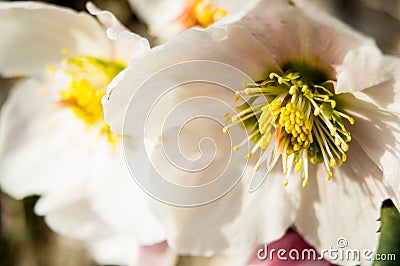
[(167, 18), (332, 100), (54, 141)]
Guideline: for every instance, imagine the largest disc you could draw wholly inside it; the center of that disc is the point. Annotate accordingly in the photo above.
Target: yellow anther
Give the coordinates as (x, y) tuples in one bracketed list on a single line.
[(286, 182), (305, 182), (248, 156), (298, 166), (206, 13), (236, 148), (332, 163), (344, 157), (351, 120), (329, 177), (344, 146)]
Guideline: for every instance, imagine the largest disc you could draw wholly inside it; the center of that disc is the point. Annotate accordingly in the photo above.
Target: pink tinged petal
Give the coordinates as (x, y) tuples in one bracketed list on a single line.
[(34, 36), (126, 44), (293, 244), (114, 250), (158, 254), (234, 6), (218, 260), (296, 30), (233, 46), (346, 207), (160, 16)]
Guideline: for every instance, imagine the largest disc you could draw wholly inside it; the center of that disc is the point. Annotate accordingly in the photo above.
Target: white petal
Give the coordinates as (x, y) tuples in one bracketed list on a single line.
[(121, 202), (35, 34), (126, 44), (296, 30), (364, 68), (386, 93), (237, 222), (233, 46), (75, 218), (43, 138), (377, 130), (61, 156), (346, 207)]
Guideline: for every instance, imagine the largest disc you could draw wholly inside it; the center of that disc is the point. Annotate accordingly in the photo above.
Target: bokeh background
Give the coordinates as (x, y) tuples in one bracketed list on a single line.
[(25, 239)]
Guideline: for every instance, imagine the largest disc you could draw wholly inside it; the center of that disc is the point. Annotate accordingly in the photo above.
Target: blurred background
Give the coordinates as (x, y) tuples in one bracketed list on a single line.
[(25, 239)]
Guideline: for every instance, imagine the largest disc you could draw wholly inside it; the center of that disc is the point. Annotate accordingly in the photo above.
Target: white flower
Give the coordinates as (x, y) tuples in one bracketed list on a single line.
[(289, 48), (54, 142), (167, 18)]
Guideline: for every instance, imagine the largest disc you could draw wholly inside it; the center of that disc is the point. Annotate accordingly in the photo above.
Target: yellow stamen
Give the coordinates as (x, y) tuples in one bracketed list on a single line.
[(308, 125), (89, 79), (201, 13)]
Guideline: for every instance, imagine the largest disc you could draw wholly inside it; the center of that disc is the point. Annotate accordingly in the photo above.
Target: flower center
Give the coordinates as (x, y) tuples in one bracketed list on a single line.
[(201, 13), (306, 124), (90, 77)]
